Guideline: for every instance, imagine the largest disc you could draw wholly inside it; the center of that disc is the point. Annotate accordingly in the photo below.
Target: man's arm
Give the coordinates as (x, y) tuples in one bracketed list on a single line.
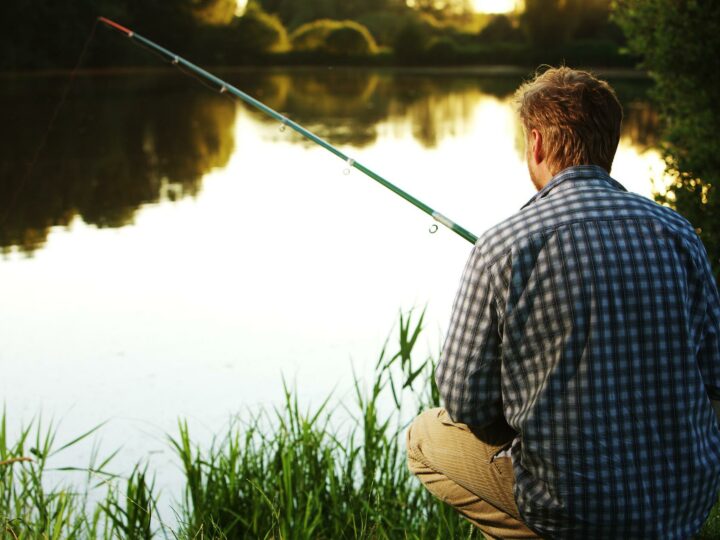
[(468, 374), (709, 350)]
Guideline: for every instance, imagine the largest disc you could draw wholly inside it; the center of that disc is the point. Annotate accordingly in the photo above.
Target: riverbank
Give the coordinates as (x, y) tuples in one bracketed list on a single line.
[(290, 474), (485, 59), (624, 73)]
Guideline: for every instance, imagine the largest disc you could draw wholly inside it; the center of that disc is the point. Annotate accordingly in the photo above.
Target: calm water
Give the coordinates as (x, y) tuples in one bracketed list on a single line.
[(174, 253)]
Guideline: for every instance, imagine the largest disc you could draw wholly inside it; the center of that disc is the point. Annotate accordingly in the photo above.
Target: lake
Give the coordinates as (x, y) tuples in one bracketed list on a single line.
[(174, 254)]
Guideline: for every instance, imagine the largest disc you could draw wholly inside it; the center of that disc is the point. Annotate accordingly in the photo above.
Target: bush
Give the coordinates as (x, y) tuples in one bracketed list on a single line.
[(386, 25), (257, 32), (346, 38), (549, 23), (350, 39), (443, 49), (411, 42), (678, 41), (500, 29)]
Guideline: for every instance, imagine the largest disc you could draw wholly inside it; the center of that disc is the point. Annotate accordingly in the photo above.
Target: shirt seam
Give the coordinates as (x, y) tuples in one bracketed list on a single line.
[(544, 230)]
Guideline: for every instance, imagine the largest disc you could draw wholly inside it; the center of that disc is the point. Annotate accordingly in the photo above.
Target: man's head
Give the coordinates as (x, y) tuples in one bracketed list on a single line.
[(570, 118)]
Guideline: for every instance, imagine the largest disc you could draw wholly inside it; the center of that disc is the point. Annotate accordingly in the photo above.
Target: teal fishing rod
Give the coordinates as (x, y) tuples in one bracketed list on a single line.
[(223, 87)]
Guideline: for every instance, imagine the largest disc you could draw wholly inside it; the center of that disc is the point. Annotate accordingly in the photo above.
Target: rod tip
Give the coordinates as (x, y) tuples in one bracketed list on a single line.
[(116, 26)]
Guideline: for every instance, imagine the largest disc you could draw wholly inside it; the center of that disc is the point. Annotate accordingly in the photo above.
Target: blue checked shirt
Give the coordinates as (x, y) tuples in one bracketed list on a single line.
[(590, 322)]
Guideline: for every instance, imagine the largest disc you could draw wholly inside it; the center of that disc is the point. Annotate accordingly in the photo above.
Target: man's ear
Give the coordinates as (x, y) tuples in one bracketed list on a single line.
[(536, 146)]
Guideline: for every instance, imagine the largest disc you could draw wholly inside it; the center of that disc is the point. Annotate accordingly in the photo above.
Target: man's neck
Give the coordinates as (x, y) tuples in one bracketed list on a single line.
[(540, 176)]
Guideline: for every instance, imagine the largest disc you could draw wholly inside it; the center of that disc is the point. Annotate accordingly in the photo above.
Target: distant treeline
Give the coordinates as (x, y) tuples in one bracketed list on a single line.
[(49, 35)]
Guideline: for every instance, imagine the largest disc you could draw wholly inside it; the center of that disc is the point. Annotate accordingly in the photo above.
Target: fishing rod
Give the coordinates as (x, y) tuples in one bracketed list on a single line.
[(223, 87)]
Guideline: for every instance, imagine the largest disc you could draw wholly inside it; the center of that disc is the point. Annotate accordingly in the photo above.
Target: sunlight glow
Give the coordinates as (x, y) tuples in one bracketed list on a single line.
[(494, 6), (481, 6)]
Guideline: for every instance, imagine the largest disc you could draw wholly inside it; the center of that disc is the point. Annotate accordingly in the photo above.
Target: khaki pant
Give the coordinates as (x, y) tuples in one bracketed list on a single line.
[(457, 464)]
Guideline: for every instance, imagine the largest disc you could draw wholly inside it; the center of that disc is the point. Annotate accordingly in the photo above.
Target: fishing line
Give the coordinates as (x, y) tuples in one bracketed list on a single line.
[(43, 140)]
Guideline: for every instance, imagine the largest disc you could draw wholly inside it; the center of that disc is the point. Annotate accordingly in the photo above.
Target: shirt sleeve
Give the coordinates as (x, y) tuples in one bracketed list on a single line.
[(709, 351), (468, 374)]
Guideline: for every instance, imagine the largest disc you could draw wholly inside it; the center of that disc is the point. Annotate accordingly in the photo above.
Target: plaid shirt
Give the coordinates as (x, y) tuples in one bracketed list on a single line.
[(590, 321)]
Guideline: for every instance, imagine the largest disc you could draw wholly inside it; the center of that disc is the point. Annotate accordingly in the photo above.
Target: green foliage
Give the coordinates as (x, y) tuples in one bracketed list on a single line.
[(257, 32), (31, 507), (594, 22), (133, 512), (549, 22), (311, 36), (443, 8), (412, 40), (293, 474), (297, 475), (383, 25), (677, 41), (442, 49), (333, 37), (51, 34), (214, 12), (350, 39), (711, 528), (500, 28), (294, 13)]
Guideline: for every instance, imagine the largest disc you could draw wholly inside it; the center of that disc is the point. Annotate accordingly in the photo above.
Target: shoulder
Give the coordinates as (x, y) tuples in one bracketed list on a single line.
[(574, 206)]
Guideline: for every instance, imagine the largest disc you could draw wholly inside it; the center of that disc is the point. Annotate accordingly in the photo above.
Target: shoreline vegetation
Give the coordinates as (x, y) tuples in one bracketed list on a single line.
[(288, 473), (599, 57), (625, 73), (600, 35), (374, 33)]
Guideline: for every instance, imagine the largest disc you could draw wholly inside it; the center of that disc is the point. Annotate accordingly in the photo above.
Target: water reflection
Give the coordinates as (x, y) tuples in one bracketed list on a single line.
[(117, 144), (124, 141)]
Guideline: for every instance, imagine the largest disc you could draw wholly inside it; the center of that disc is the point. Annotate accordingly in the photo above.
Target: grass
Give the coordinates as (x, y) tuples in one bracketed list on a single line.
[(289, 473), (31, 509), (306, 478)]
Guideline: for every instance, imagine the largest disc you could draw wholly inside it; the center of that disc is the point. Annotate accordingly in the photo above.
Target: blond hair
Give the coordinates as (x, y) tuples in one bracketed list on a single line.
[(577, 115)]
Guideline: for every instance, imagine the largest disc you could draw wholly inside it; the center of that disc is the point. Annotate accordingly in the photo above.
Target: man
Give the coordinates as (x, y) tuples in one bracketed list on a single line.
[(583, 350)]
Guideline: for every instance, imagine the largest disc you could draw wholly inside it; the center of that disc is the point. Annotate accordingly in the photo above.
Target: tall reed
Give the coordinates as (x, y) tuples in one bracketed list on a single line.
[(33, 506), (291, 473), (297, 474)]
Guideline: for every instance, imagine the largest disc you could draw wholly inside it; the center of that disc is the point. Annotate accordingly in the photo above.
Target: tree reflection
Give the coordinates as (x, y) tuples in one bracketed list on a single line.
[(345, 106), (118, 144), (121, 142)]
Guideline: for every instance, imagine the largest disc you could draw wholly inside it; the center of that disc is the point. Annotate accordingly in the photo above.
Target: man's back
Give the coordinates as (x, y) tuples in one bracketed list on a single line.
[(604, 304), (583, 349)]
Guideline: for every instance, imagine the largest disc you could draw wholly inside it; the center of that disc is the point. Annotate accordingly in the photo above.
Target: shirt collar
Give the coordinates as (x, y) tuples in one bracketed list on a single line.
[(585, 173)]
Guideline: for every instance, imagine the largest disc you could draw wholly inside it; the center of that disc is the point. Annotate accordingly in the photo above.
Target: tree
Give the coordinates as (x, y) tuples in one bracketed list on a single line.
[(442, 8), (500, 29), (679, 42), (410, 43), (215, 12), (550, 22), (256, 32), (334, 37), (351, 39), (593, 19), (294, 13)]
